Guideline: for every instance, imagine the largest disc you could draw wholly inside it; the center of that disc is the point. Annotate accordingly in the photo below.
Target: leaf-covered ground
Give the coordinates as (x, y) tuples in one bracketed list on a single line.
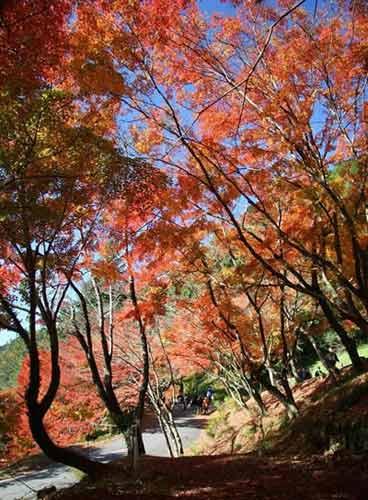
[(235, 477), (332, 416), (301, 460)]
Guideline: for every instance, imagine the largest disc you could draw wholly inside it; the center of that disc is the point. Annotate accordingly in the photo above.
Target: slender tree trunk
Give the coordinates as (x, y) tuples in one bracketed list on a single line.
[(167, 423), (286, 400), (255, 395), (145, 357), (257, 398), (165, 433), (286, 386), (171, 434), (175, 432), (139, 438), (104, 387), (293, 369), (234, 393), (322, 358), (347, 342), (271, 374)]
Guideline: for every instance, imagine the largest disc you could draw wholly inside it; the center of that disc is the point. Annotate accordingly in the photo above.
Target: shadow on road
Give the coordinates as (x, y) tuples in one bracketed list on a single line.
[(101, 456), (34, 464), (196, 423), (183, 418), (49, 471), (40, 467)]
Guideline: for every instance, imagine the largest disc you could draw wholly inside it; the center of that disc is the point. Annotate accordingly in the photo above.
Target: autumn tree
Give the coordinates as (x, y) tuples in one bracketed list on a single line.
[(49, 209), (28, 55), (109, 282), (253, 114), (93, 324), (74, 414), (243, 133)]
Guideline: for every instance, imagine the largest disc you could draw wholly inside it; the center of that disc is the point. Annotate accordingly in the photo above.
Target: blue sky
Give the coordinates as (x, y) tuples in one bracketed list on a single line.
[(6, 337), (211, 6)]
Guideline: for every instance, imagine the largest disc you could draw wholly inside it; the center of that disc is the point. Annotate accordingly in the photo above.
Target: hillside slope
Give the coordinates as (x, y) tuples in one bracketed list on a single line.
[(332, 417)]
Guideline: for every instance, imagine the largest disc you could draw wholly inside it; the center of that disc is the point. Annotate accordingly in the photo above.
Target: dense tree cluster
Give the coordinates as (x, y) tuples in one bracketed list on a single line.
[(179, 191)]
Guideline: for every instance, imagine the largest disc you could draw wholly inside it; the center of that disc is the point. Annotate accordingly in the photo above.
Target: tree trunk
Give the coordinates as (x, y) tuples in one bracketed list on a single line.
[(146, 365), (167, 422), (271, 374), (255, 395), (165, 433), (287, 401), (352, 349), (289, 393), (293, 369), (38, 409), (62, 455), (322, 358), (347, 342), (175, 432), (139, 437)]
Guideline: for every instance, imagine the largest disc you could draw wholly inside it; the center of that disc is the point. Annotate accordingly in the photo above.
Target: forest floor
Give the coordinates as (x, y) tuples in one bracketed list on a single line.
[(235, 477), (244, 457)]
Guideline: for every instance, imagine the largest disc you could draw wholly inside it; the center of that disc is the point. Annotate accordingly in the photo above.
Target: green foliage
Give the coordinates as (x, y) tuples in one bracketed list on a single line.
[(218, 421), (306, 354), (329, 340), (187, 289), (352, 167), (199, 383), (343, 359), (97, 433), (106, 428), (196, 383), (11, 357)]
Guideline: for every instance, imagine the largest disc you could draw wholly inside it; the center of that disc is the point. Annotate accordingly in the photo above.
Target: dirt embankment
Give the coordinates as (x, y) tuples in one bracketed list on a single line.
[(332, 418)]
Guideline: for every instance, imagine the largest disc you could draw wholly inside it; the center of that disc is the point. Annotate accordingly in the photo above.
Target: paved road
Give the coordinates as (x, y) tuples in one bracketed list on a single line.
[(23, 484)]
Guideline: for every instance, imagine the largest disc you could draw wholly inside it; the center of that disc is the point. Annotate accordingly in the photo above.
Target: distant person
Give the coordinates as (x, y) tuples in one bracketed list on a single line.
[(209, 393), (304, 374), (181, 400), (205, 406), (199, 402)]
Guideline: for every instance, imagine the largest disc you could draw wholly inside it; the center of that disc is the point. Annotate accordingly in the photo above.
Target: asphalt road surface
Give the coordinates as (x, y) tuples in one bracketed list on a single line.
[(23, 484)]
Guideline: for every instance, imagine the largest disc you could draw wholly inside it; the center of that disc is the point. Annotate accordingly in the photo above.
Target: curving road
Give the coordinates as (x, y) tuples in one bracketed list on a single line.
[(24, 484)]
